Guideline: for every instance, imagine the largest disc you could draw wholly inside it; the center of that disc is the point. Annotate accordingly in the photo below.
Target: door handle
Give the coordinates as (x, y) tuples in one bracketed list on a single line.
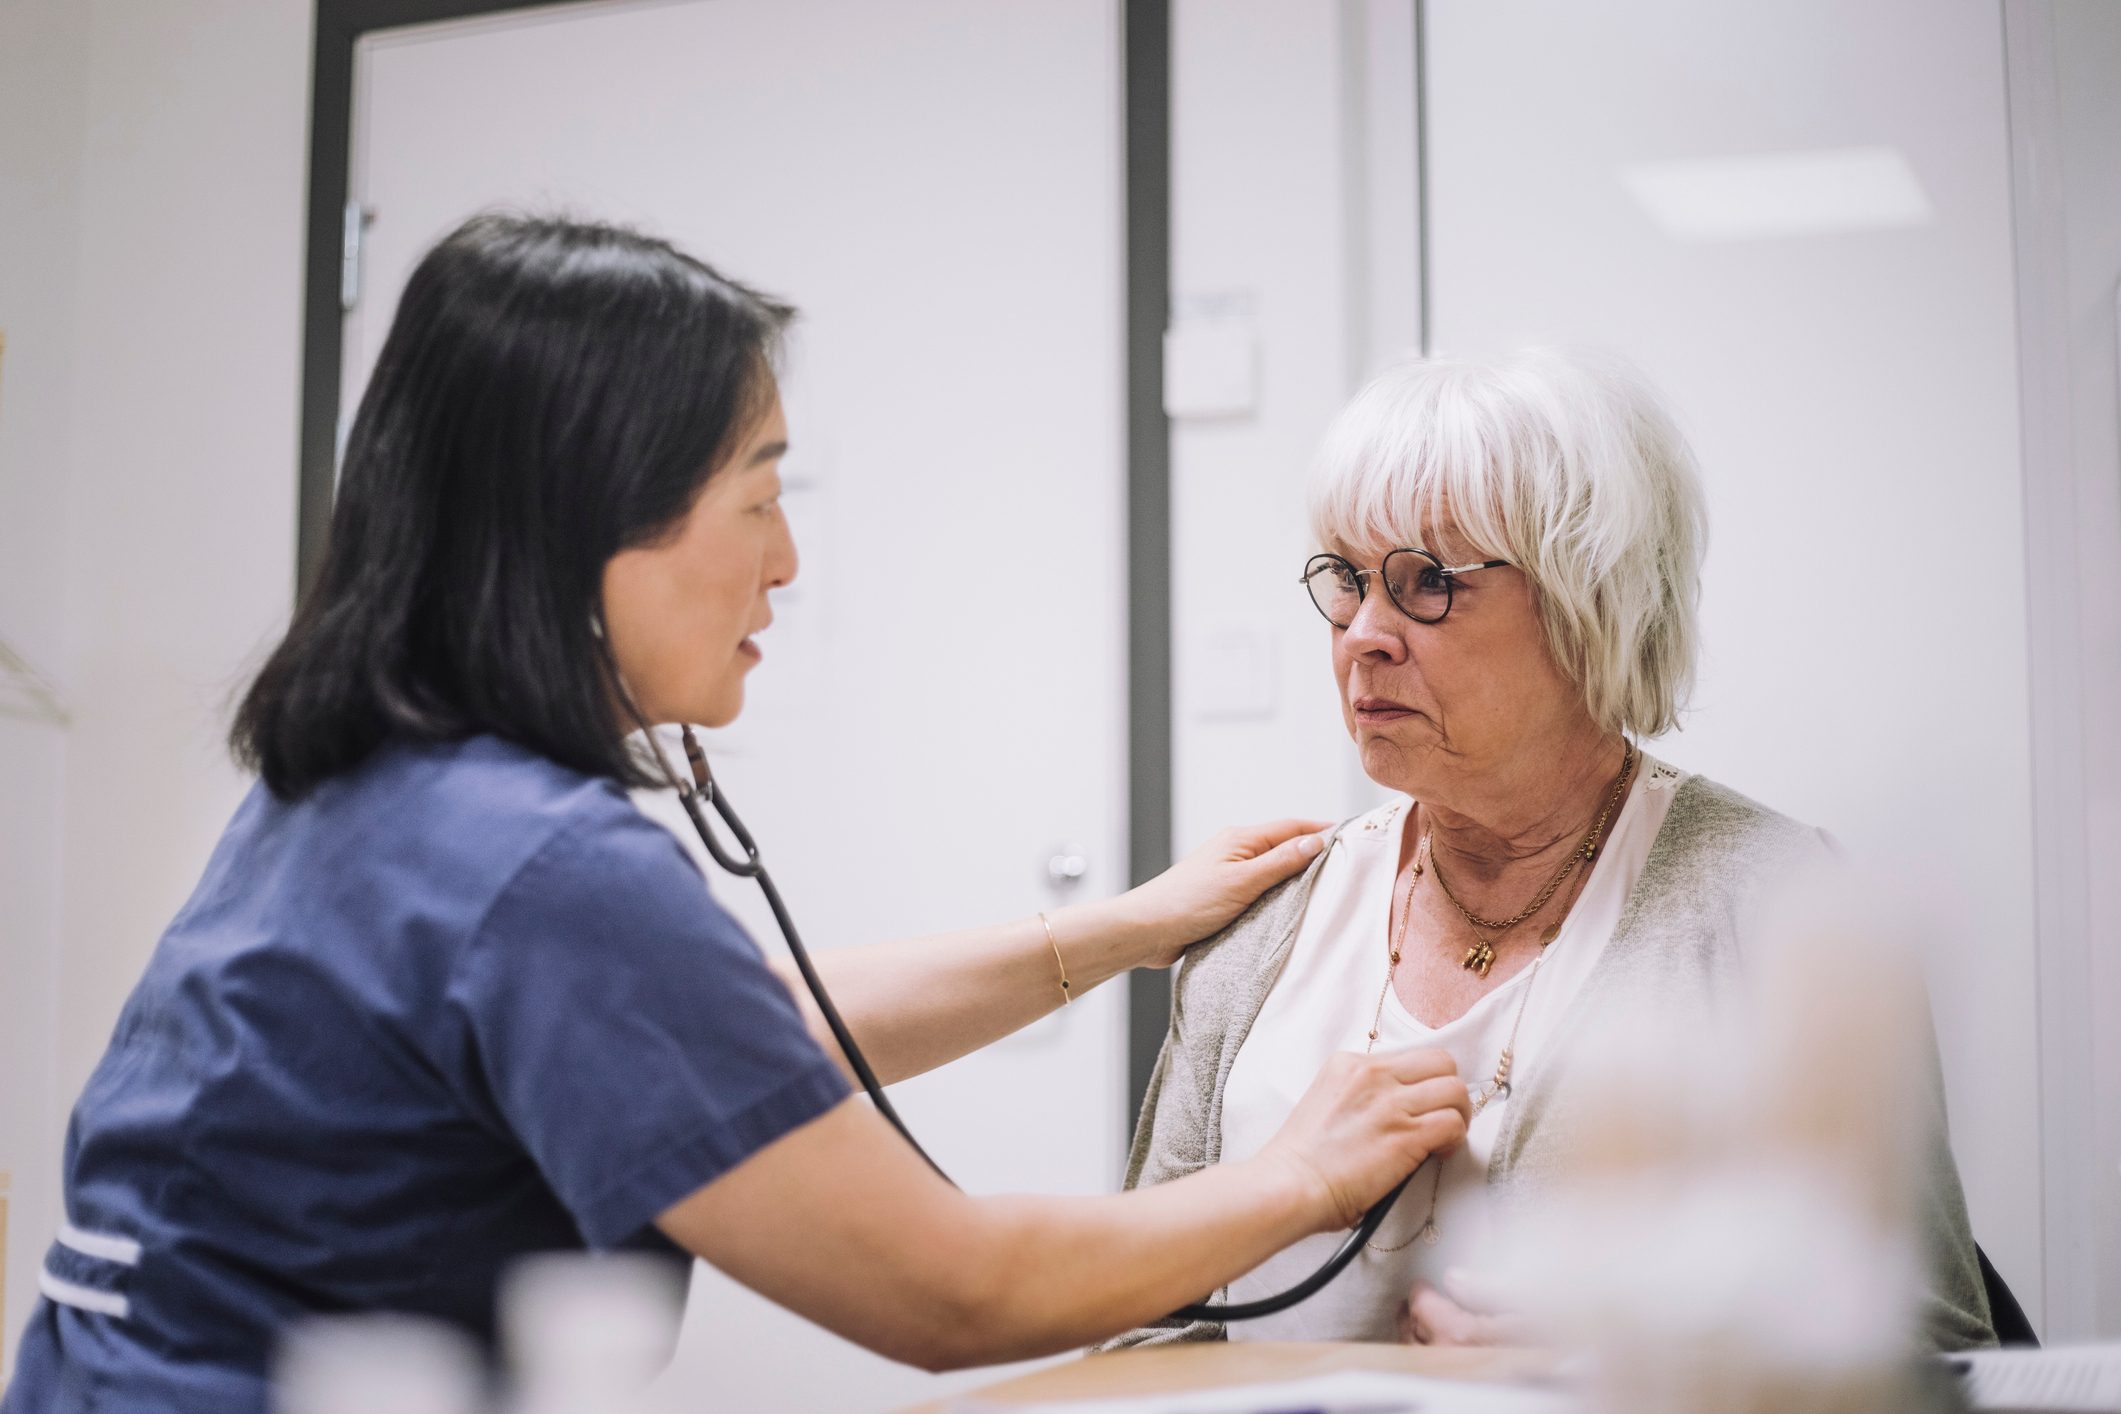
[(1066, 867)]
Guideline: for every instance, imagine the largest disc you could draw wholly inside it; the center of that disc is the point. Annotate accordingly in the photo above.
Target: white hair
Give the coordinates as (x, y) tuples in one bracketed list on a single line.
[(1565, 464)]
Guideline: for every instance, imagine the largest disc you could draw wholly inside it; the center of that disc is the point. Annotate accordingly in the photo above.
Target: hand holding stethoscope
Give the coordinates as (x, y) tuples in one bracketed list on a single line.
[(1343, 1080)]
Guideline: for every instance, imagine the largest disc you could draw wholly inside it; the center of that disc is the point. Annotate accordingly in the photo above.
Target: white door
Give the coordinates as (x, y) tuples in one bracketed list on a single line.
[(936, 183)]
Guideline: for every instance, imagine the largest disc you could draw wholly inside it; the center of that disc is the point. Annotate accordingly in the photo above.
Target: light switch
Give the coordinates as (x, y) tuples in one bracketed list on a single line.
[(1211, 366), (1233, 676)]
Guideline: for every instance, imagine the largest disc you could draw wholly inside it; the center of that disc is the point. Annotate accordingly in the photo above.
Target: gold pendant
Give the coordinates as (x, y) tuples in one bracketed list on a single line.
[(1553, 931), (1428, 1232), (1479, 958)]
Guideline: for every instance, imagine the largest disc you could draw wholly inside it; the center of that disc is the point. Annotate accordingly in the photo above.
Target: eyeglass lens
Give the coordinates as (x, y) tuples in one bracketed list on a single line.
[(1413, 578)]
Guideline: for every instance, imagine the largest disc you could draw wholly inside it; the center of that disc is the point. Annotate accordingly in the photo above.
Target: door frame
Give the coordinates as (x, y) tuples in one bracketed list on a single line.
[(1146, 69)]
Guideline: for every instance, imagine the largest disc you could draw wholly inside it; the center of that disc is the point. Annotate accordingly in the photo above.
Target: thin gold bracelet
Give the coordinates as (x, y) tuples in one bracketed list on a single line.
[(1067, 995)]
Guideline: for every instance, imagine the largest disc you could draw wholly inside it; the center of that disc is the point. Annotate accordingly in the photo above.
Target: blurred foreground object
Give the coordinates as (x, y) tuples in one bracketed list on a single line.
[(378, 1364), (590, 1334), (583, 1335), (1743, 1233)]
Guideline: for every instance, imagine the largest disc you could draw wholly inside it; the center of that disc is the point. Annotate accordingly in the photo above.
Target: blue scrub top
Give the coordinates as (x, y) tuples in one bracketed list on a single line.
[(456, 1006)]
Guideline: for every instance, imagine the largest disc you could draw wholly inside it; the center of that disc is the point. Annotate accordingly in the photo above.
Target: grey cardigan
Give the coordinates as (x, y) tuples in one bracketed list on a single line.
[(1677, 941)]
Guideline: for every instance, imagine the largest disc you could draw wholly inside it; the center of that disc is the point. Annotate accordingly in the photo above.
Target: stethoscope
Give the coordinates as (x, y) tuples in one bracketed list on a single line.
[(750, 866)]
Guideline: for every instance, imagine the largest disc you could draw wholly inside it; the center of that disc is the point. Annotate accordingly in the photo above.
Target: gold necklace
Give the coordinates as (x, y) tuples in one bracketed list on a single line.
[(1395, 943), (1498, 1084), (1481, 956), (1398, 938)]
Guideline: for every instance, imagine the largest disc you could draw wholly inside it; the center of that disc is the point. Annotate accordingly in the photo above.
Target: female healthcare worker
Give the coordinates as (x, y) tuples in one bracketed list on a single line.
[(444, 997)]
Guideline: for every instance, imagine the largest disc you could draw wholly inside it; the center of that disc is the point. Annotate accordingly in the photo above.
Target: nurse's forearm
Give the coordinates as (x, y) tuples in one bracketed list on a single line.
[(1073, 1271), (917, 1004), (914, 1005), (841, 1223)]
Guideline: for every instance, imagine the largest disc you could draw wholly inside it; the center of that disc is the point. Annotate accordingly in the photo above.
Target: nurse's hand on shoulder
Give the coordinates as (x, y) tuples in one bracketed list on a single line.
[(1202, 893), (1369, 1120)]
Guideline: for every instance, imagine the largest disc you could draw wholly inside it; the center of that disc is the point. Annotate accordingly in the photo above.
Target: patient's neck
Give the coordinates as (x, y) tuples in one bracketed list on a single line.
[(1525, 817)]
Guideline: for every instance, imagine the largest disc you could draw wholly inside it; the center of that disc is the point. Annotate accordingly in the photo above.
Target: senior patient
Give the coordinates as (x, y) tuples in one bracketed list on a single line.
[(1509, 561)]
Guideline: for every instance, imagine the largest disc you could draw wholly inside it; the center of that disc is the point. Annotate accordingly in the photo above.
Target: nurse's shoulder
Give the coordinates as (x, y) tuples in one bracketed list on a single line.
[(394, 867), (464, 816)]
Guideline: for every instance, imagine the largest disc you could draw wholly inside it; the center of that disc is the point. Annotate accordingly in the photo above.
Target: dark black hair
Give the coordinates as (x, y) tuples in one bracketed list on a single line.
[(552, 392)]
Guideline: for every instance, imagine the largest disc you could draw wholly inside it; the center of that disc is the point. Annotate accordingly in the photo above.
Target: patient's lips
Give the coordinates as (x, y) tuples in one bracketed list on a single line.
[(1375, 711)]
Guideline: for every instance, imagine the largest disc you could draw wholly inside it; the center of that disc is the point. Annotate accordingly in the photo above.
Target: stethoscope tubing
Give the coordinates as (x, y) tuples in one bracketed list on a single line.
[(748, 865)]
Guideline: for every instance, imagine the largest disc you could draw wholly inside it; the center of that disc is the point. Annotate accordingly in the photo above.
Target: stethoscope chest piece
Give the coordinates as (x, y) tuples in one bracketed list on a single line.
[(703, 790)]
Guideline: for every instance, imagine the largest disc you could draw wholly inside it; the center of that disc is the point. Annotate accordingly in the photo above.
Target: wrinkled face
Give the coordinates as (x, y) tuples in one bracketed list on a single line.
[(681, 612), (1434, 708)]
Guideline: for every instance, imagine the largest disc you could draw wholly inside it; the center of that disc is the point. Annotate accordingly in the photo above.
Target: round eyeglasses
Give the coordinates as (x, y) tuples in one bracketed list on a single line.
[(1417, 583)]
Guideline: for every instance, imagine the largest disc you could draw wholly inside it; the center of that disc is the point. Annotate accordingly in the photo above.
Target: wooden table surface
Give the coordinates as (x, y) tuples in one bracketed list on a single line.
[(1176, 1369)]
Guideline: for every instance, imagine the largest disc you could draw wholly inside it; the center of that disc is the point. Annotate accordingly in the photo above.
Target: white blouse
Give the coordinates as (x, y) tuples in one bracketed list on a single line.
[(1323, 1001)]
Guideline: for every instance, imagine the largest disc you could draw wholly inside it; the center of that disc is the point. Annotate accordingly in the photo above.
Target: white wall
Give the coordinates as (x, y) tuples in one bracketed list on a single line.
[(180, 496), (150, 246), (2086, 58), (1853, 399), (43, 65), (1292, 218)]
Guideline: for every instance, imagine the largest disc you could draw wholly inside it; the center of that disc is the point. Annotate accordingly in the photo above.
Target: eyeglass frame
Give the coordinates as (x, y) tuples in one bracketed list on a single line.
[(1362, 578)]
